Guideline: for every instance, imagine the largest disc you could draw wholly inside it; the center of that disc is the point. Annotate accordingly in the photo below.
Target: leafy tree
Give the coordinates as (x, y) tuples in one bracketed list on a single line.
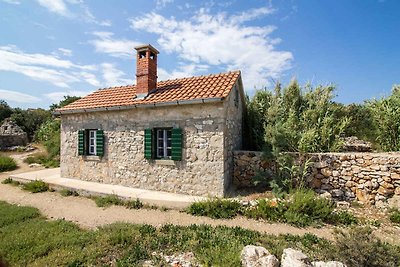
[(67, 100), (49, 135), (5, 110), (30, 120), (386, 116)]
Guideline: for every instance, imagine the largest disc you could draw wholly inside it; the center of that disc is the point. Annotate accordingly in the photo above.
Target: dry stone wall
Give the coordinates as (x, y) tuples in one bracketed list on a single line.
[(12, 135), (368, 177)]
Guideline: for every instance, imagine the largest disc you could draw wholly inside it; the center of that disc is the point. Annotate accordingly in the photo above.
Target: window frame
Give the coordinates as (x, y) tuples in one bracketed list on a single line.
[(164, 148), (91, 145)]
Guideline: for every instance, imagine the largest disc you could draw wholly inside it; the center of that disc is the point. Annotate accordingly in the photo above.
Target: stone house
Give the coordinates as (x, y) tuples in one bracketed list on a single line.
[(175, 135)]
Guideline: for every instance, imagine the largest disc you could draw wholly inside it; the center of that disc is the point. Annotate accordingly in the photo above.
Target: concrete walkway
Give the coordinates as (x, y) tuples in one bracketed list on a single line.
[(55, 181)]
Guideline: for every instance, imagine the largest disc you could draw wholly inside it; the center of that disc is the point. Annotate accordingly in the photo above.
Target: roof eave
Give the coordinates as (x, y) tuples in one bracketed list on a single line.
[(142, 105)]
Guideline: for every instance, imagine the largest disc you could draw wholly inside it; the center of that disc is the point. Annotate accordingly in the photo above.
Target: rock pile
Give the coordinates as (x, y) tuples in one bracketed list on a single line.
[(353, 144), (257, 256)]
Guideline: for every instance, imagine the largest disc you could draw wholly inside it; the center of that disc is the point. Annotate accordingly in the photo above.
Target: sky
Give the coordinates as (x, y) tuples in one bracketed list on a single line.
[(53, 48)]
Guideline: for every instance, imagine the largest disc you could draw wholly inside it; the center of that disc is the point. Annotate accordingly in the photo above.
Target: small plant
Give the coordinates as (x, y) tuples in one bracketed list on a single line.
[(375, 223), (134, 204), (344, 218), (36, 186), (7, 181), (108, 201), (215, 208), (394, 216), (46, 161), (67, 193), (7, 164)]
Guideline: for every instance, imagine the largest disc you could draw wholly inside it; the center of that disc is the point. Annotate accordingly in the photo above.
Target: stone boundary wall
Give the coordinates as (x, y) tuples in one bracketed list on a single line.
[(7, 141), (371, 178)]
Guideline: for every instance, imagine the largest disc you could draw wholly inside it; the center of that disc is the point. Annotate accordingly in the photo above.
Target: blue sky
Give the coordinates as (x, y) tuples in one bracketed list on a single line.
[(52, 48)]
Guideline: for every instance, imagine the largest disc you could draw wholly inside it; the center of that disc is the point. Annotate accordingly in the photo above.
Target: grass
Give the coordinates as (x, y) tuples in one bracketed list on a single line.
[(43, 159), (394, 216), (36, 186), (67, 193), (10, 181), (30, 240), (7, 163), (215, 208), (110, 200)]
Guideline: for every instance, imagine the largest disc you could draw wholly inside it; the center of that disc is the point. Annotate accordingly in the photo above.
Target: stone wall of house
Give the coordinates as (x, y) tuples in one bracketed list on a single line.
[(233, 130), (368, 177), (201, 171), (12, 135)]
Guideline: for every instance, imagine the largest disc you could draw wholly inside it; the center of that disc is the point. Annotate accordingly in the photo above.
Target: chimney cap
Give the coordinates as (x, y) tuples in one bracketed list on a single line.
[(146, 47)]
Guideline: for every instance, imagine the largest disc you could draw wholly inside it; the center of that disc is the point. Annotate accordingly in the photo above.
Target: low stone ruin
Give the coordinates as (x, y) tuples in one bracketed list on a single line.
[(353, 144), (11, 135)]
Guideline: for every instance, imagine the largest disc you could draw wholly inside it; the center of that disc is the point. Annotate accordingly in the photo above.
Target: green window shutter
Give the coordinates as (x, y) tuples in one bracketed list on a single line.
[(176, 135), (148, 146), (81, 142), (99, 143)]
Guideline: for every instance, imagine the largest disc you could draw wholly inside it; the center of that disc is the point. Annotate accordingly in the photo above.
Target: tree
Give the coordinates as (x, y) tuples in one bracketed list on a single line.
[(5, 110), (30, 120), (67, 100)]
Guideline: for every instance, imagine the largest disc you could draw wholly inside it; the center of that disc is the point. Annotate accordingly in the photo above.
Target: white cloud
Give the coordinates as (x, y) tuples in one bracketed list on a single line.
[(113, 76), (222, 41), (89, 17), (17, 97), (105, 43), (43, 67), (63, 51), (13, 2), (163, 3), (55, 6), (56, 97)]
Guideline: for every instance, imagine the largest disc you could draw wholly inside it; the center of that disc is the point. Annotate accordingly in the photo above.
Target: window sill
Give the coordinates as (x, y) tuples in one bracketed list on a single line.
[(92, 158), (165, 162)]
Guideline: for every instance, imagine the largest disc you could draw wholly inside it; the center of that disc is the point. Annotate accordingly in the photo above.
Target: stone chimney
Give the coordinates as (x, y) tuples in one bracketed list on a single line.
[(146, 70)]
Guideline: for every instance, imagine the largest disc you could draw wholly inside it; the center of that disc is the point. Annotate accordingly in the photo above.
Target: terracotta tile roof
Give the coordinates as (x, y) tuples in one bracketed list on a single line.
[(201, 87)]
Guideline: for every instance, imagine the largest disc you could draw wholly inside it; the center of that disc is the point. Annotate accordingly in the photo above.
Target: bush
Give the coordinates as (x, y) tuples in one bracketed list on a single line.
[(215, 208), (108, 201), (344, 218), (36, 186), (359, 247), (134, 204), (67, 193), (7, 164), (46, 161), (394, 216)]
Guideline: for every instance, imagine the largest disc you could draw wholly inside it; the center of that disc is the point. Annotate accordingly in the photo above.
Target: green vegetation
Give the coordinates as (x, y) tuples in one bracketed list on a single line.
[(29, 239), (36, 186), (110, 200), (306, 119), (301, 208), (7, 163), (107, 201), (10, 181), (394, 216), (67, 193), (215, 208), (44, 159)]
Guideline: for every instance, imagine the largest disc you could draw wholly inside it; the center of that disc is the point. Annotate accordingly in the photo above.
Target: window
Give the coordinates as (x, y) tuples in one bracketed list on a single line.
[(91, 142), (163, 143)]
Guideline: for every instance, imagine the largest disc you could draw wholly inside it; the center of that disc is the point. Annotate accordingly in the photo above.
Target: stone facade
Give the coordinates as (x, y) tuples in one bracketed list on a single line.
[(205, 169), (368, 177), (12, 135)]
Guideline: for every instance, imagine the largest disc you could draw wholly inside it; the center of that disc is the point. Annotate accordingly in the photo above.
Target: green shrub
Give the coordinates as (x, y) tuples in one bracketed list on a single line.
[(46, 161), (7, 164), (344, 218), (394, 216), (108, 201), (215, 208), (8, 180), (36, 186), (67, 193), (359, 247), (10, 214), (266, 209), (134, 204)]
